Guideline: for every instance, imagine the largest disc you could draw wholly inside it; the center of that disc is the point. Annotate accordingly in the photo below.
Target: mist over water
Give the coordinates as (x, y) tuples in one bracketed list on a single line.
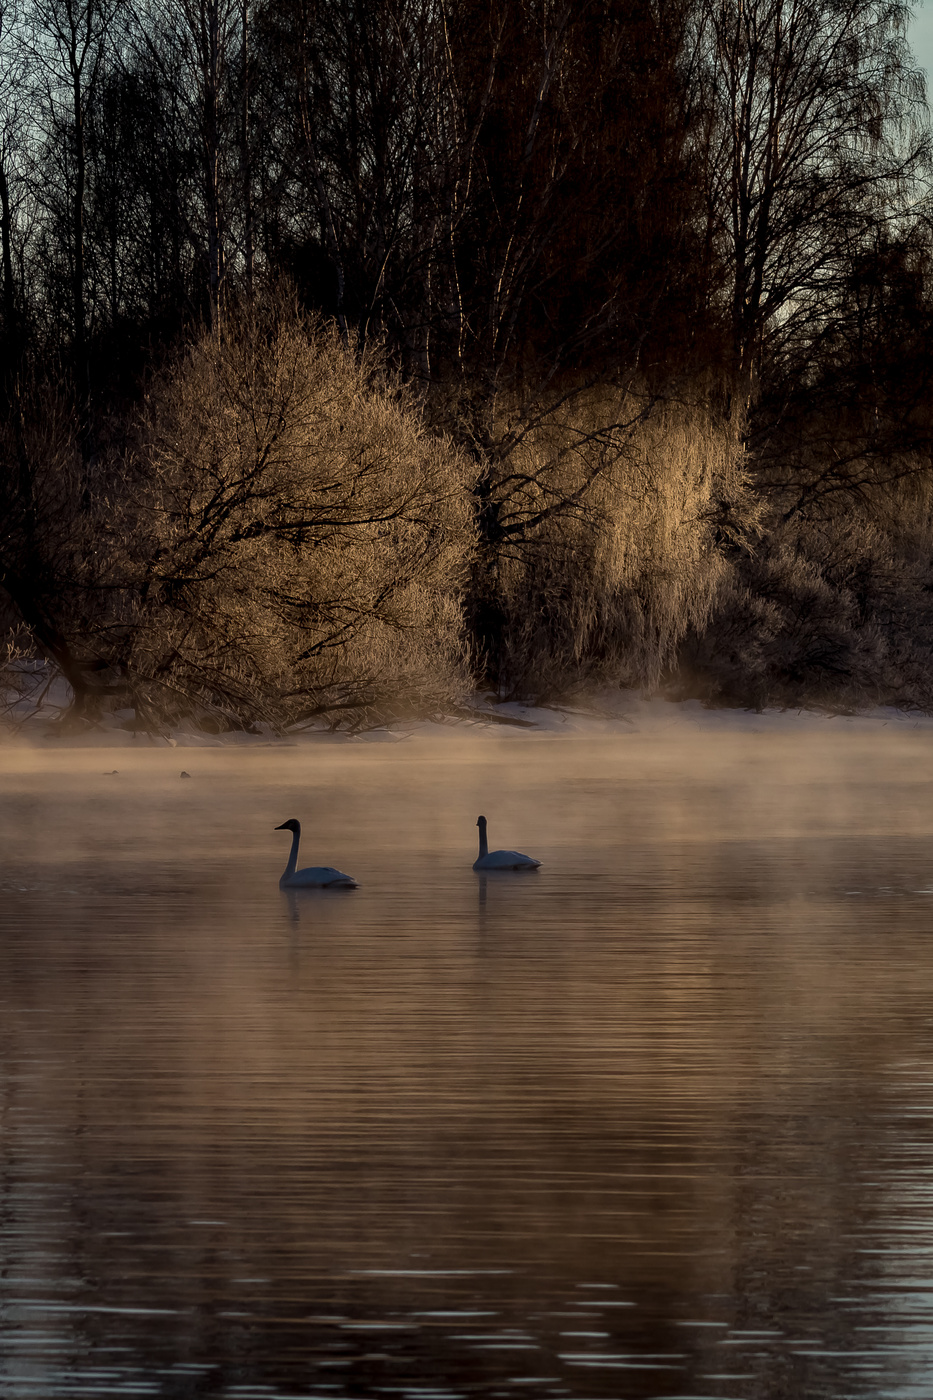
[(653, 1121)]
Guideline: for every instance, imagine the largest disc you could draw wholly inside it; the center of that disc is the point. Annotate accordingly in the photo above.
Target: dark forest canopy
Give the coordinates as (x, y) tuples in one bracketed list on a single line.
[(352, 354)]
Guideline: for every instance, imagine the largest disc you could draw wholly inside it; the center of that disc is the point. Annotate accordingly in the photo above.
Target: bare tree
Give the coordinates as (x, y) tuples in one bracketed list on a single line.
[(355, 96), (198, 49), (810, 136), (68, 42), (13, 192)]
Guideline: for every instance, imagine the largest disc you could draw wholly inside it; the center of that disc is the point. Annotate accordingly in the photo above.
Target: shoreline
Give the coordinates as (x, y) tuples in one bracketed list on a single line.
[(621, 714)]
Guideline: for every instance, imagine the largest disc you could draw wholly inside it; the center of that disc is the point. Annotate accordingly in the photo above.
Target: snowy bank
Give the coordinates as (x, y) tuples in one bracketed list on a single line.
[(34, 719)]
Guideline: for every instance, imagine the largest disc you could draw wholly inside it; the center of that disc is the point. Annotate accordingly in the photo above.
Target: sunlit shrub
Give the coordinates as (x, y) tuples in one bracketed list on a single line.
[(608, 518), (277, 537), (307, 537)]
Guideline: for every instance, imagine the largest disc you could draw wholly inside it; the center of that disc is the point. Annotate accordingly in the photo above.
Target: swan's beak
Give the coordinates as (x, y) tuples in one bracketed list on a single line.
[(283, 827)]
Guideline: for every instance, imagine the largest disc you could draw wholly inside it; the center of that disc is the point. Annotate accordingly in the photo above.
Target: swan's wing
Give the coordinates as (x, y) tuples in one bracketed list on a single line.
[(320, 875), (508, 860)]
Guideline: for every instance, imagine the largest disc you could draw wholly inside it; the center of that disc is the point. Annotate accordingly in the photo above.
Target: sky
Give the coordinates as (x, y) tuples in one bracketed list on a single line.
[(921, 39)]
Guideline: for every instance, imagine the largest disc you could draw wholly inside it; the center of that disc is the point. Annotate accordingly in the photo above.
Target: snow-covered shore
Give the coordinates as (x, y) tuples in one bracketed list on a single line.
[(615, 714)]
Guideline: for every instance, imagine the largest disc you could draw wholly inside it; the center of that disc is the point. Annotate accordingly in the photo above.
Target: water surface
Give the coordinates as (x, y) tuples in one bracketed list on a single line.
[(653, 1121)]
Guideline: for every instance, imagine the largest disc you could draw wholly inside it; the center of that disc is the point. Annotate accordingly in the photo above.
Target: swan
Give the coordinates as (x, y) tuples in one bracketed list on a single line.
[(500, 860), (314, 876)]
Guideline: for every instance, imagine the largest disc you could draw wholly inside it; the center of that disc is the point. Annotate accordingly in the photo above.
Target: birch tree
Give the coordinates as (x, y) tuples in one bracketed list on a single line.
[(69, 43), (810, 136), (13, 194), (196, 47)]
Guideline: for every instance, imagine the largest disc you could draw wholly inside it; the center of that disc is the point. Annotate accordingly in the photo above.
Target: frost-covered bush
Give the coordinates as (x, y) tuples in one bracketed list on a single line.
[(306, 537), (833, 608), (276, 536), (603, 539)]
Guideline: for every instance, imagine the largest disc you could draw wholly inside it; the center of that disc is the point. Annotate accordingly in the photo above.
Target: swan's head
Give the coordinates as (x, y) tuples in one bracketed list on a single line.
[(480, 821), (289, 826)]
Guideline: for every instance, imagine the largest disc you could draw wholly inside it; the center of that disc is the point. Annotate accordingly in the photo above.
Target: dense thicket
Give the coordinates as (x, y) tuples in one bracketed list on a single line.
[(352, 351)]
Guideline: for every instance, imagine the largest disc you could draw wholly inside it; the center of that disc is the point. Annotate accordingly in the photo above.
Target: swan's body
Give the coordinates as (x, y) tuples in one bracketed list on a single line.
[(313, 876), (500, 860)]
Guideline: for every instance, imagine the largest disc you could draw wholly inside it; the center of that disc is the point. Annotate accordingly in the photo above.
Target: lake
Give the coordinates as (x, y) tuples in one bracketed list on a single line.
[(653, 1121)]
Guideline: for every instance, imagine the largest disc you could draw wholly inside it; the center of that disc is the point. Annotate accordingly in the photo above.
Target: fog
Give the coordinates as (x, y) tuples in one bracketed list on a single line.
[(653, 1120), (631, 797)]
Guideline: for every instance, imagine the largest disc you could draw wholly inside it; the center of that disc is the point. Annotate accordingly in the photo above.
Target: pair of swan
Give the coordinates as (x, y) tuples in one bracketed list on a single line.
[(326, 877)]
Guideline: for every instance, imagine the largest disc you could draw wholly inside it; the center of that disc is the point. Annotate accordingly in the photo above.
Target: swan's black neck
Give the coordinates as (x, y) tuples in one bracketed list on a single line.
[(483, 844), (293, 854)]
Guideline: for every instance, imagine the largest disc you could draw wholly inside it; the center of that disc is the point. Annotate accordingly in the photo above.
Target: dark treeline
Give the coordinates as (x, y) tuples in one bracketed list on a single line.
[(352, 354)]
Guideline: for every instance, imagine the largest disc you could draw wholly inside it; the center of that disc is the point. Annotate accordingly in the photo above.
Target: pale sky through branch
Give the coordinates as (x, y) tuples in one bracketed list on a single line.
[(921, 39)]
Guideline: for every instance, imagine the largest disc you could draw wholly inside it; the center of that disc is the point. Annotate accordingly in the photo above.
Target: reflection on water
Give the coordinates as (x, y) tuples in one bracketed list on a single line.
[(655, 1122)]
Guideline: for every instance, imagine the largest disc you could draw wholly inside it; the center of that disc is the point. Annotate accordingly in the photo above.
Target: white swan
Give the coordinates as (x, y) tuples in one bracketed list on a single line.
[(500, 860), (314, 876)]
